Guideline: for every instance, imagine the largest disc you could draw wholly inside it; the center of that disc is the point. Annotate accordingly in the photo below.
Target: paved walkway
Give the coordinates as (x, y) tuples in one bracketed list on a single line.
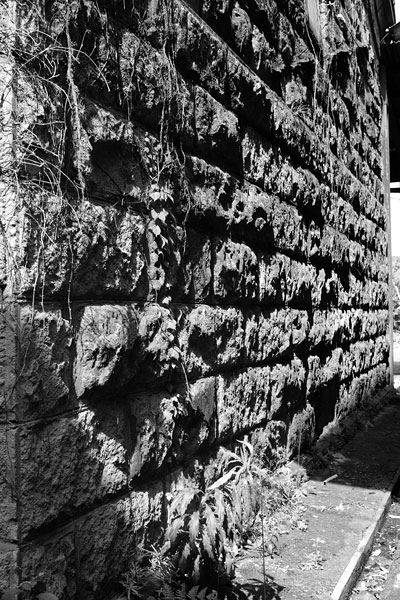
[(340, 515)]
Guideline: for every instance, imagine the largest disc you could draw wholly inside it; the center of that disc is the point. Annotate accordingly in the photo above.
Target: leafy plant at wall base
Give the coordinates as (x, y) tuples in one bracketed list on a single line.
[(210, 525), (153, 576), (200, 533), (28, 590)]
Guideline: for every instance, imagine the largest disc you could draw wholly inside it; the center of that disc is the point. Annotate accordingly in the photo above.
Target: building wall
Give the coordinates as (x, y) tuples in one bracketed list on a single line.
[(194, 250)]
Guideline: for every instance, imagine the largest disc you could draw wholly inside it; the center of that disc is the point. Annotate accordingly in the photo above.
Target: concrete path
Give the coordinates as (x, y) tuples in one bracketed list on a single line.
[(322, 560)]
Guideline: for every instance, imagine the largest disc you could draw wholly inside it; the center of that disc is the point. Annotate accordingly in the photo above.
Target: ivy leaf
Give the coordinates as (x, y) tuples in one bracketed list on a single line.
[(46, 596), (156, 229), (162, 215), (174, 353)]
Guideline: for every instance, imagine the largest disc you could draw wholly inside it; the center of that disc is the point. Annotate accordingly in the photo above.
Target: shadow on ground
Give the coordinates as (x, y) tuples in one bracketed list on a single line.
[(254, 590)]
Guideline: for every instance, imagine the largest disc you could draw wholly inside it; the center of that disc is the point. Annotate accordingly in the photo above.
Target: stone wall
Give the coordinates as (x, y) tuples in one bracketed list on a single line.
[(194, 250)]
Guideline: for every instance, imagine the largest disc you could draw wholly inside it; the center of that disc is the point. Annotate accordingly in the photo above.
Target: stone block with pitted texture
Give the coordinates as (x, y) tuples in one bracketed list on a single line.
[(194, 250)]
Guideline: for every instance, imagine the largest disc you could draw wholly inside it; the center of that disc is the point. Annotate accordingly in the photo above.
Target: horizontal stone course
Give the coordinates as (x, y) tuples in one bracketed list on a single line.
[(74, 560), (71, 463), (222, 272)]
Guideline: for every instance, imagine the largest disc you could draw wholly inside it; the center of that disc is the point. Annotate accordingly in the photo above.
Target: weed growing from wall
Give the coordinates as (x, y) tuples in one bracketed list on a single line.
[(210, 526)]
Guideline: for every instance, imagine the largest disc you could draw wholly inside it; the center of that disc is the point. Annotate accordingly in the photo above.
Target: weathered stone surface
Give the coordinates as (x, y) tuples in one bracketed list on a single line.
[(8, 366), (8, 491), (273, 333), (170, 428), (259, 158), (301, 431), (272, 278), (8, 561), (211, 222), (361, 390), (235, 272), (211, 338), (45, 340), (321, 371), (78, 560), (126, 344), (216, 130), (196, 275), (243, 400), (100, 254), (202, 397), (287, 388), (104, 334), (71, 463)]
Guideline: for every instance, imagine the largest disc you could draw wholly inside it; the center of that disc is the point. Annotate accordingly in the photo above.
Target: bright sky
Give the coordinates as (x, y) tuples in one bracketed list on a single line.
[(395, 223), (397, 9)]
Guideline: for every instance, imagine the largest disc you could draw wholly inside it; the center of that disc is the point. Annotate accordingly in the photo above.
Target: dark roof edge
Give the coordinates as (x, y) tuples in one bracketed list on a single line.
[(386, 14)]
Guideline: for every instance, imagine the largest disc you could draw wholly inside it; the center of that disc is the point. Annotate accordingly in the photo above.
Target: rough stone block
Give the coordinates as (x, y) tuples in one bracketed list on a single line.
[(259, 158), (217, 196), (243, 400), (301, 283), (273, 334), (104, 334), (321, 371), (71, 463), (88, 556), (46, 345), (360, 391), (202, 396), (264, 58), (329, 328), (289, 229), (149, 80), (268, 335), (8, 489), (200, 52), (248, 96), (272, 277), (8, 363), (287, 383), (210, 338), (217, 132), (170, 428), (235, 272), (209, 186), (301, 431), (334, 247), (195, 275), (121, 344), (8, 562), (99, 254)]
